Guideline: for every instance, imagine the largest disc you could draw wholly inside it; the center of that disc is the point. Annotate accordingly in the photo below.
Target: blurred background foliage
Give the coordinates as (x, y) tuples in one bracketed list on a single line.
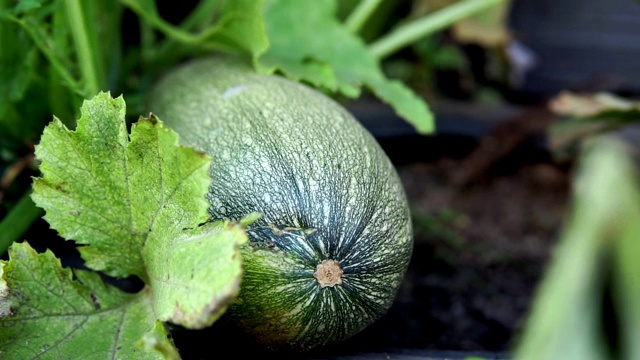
[(55, 53)]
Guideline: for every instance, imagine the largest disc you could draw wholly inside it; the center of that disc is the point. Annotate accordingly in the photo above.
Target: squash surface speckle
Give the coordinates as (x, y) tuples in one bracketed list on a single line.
[(325, 188)]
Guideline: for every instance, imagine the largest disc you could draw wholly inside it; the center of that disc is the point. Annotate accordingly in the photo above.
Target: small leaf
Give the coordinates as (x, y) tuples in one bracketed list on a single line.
[(250, 219), (586, 117), (600, 105), (338, 60), (156, 340), (54, 316)]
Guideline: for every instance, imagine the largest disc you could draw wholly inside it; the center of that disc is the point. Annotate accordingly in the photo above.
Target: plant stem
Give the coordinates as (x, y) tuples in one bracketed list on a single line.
[(201, 16), (86, 53), (17, 221), (171, 31), (361, 14), (199, 19), (42, 43), (429, 24)]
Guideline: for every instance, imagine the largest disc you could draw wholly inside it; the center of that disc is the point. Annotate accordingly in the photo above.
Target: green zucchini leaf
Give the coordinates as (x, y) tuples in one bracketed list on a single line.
[(307, 42), (241, 27), (46, 314), (136, 201), (100, 189)]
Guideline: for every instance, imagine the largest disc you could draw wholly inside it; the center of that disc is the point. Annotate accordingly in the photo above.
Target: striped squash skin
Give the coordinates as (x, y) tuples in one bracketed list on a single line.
[(325, 188)]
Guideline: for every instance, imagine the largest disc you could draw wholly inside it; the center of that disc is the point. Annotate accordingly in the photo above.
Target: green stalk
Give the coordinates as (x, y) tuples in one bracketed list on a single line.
[(429, 24), (361, 14), (201, 16), (84, 46), (17, 221), (147, 42), (199, 19), (36, 34), (171, 31)]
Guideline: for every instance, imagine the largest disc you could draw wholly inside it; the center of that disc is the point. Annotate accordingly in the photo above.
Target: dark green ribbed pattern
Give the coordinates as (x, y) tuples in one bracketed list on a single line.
[(325, 188)]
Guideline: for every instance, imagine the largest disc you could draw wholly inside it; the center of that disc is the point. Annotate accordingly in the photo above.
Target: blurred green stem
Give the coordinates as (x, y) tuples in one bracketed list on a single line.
[(201, 17), (17, 221), (87, 56), (429, 24), (172, 32), (39, 39), (361, 14)]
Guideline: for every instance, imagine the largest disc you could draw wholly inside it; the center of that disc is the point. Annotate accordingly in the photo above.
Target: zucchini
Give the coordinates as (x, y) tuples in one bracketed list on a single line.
[(329, 252)]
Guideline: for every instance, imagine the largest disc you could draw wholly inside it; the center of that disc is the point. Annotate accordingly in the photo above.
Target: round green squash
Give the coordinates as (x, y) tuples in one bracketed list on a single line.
[(330, 250)]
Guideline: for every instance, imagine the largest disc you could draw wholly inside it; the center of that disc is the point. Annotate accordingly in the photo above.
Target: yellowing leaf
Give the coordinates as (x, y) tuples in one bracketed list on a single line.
[(195, 276), (137, 203), (591, 105), (488, 28), (101, 190)]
